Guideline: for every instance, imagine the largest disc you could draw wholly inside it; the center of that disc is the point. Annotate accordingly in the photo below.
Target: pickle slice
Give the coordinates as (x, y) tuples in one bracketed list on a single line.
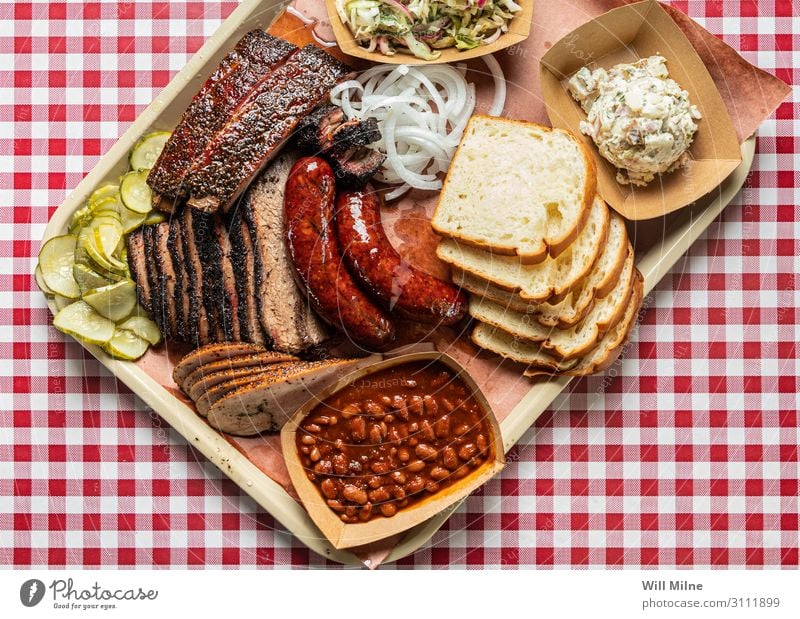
[(56, 259), (135, 192), (37, 274), (114, 301), (143, 327), (61, 302), (154, 217), (126, 345), (81, 321), (88, 278), (145, 152)]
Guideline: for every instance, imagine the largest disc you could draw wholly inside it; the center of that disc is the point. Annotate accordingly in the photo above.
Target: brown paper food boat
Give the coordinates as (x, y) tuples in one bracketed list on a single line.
[(518, 30), (343, 535), (626, 34)]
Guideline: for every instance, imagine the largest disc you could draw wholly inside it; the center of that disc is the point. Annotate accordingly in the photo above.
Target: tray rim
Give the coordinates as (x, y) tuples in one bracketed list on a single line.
[(267, 493)]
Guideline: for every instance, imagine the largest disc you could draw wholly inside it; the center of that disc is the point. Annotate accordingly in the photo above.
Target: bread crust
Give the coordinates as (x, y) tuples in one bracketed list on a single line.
[(547, 247), (561, 288)]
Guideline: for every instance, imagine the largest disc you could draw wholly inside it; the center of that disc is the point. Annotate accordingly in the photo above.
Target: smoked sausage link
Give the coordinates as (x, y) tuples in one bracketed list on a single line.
[(377, 266), (311, 241)]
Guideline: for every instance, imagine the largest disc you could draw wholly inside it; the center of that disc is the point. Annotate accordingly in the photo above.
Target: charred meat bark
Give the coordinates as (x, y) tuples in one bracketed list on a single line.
[(243, 260), (137, 264), (210, 272), (183, 301), (282, 308), (260, 126), (229, 298), (167, 278), (355, 167), (256, 55), (199, 330), (156, 302), (326, 132)]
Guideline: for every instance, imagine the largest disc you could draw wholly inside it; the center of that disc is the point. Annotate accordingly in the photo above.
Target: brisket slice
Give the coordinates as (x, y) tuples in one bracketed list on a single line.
[(283, 309), (137, 264), (182, 284), (165, 271), (255, 55), (242, 259), (199, 332), (260, 127), (211, 272), (229, 298), (157, 310)]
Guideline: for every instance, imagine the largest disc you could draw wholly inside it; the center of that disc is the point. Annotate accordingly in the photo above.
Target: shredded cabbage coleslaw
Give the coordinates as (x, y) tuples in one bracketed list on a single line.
[(423, 27)]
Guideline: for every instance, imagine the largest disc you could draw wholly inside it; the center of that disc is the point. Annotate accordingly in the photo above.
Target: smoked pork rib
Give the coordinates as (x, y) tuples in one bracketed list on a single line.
[(255, 55), (260, 126)]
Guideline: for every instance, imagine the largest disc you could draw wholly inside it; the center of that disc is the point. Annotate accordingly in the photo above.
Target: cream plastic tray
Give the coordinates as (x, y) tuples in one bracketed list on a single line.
[(666, 239)]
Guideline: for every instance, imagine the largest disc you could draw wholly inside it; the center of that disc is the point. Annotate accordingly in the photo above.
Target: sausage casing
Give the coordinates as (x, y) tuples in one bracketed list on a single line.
[(383, 273), (311, 241)]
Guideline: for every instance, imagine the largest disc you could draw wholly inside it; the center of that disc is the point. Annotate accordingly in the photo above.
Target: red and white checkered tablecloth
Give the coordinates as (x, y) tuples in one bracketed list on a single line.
[(687, 456)]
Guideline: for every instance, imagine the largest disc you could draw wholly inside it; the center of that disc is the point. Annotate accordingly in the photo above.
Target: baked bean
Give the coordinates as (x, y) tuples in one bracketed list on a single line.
[(354, 494), (442, 427), (323, 467), (350, 410), (467, 451), (397, 492), (416, 466), (438, 473), (425, 452), (461, 430), (431, 406), (388, 509), (373, 408), (329, 489), (358, 428), (335, 505), (461, 471), (340, 464), (379, 495), (375, 434), (393, 448), (365, 512), (450, 458), (380, 467), (415, 484)]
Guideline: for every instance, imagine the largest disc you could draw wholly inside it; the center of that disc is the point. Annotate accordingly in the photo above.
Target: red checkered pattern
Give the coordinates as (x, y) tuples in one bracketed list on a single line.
[(684, 454)]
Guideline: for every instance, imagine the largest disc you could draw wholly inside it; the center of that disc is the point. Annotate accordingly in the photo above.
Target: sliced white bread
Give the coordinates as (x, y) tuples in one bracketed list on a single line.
[(535, 282), (539, 362), (563, 344), (516, 188), (568, 312), (600, 281)]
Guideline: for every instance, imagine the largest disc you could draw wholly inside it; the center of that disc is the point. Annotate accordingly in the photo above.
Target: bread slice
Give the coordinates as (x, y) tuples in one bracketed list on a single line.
[(540, 363), (568, 312), (562, 343), (535, 282), (516, 188)]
